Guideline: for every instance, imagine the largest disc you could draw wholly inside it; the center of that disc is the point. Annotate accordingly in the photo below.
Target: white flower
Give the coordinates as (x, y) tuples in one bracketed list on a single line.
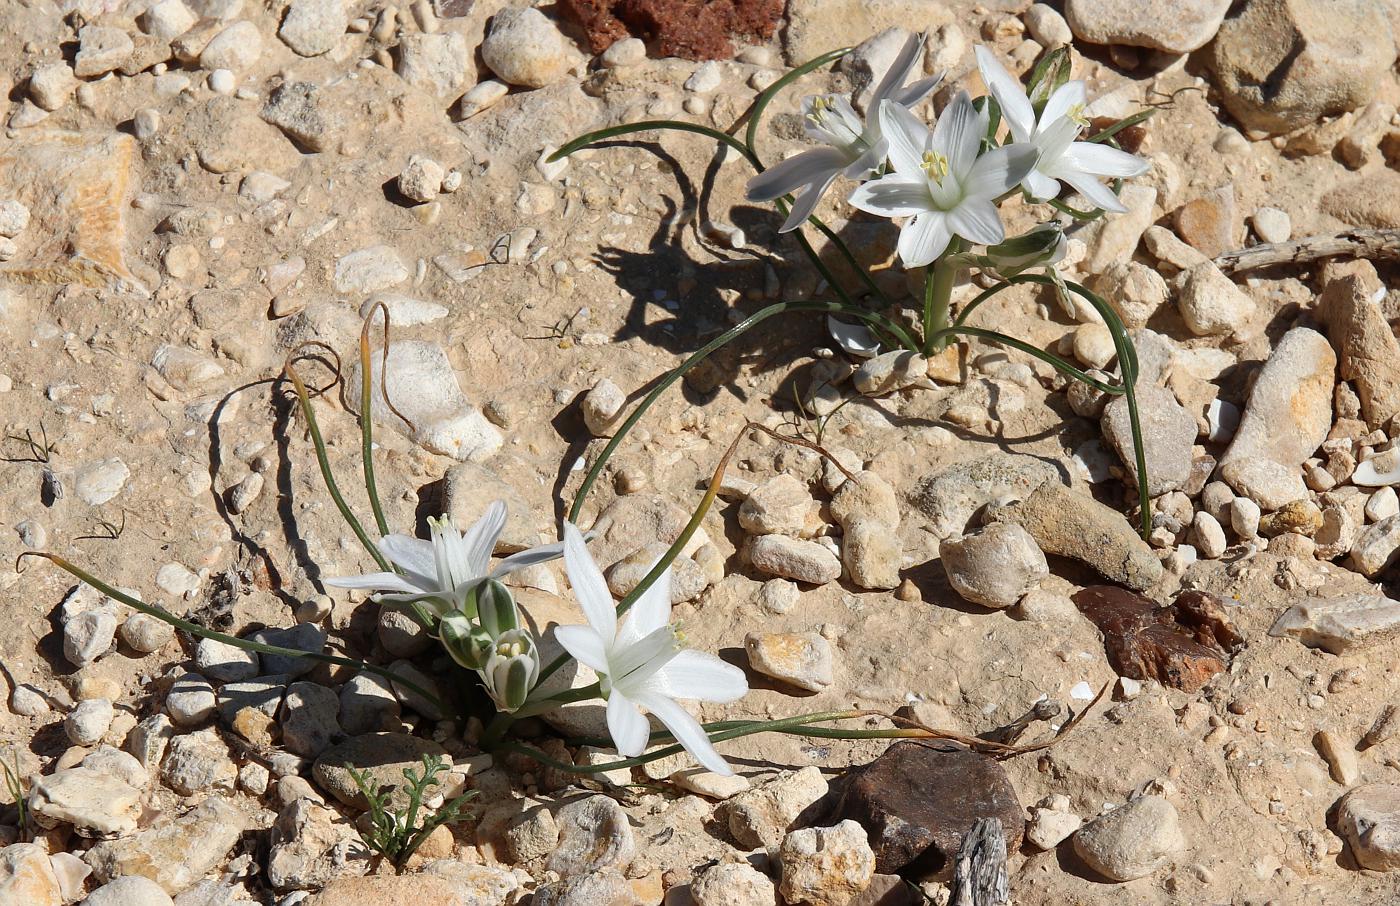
[(1062, 159), (445, 570), (641, 664), (852, 148), (511, 669), (940, 182)]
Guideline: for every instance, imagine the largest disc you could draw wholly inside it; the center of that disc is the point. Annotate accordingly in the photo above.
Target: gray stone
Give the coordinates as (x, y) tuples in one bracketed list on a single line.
[(306, 637), (733, 884), (1132, 841), (312, 846), (368, 705), (1342, 623), (412, 698), (793, 558), (295, 108), (594, 835), (191, 700), (1177, 28), (1368, 818), (89, 721), (995, 566), (1290, 407), (88, 636), (439, 63), (197, 762), (1168, 433), (309, 719), (86, 798), (312, 27), (950, 498), (263, 693), (384, 756), (224, 662)]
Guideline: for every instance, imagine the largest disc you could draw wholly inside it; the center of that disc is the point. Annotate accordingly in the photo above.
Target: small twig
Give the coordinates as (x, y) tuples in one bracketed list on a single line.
[(1380, 245), (802, 442), (109, 532), (1045, 709), (979, 873)]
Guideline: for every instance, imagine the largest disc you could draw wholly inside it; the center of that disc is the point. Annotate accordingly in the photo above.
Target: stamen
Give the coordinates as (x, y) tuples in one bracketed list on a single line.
[(935, 165), (1076, 114)]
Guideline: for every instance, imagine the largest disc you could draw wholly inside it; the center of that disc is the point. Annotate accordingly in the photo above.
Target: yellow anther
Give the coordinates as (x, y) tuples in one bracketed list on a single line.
[(935, 165), (1076, 114)]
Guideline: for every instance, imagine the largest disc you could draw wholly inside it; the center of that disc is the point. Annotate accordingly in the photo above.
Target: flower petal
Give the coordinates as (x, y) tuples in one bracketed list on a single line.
[(532, 557), (627, 725), (701, 675), (805, 203), (413, 555), (1010, 95), (587, 647), (376, 581), (977, 220), (900, 69), (923, 238), (1096, 192), (907, 137), (855, 340), (588, 583), (958, 134), (479, 541), (1062, 101), (999, 171), (686, 729), (1040, 186), (918, 91), (650, 612), (893, 196), (787, 176), (1101, 160)]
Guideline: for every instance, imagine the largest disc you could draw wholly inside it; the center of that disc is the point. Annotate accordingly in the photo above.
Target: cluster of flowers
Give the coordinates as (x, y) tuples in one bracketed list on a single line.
[(948, 180), (641, 660)]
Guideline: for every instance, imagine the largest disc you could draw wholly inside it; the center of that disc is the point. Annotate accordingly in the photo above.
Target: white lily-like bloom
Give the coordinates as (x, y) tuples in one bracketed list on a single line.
[(1079, 165), (444, 571), (851, 147), (641, 662), (940, 182)]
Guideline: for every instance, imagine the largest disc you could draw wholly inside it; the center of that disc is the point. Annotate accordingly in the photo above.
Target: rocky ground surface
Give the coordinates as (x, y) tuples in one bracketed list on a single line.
[(191, 189)]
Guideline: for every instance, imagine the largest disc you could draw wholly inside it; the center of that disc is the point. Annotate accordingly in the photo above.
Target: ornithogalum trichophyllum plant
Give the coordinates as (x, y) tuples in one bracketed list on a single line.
[(943, 183)]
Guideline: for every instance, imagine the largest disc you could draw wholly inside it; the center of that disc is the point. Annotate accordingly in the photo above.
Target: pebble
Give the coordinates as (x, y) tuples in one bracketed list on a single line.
[(51, 85), (1244, 517), (86, 724), (166, 19), (1211, 304), (706, 78), (236, 48), (86, 798), (309, 719), (1049, 827), (688, 580), (1115, 238), (1289, 413), (825, 866), (867, 496), (995, 566), (191, 700), (242, 495), (98, 482), (148, 740), (1135, 290), (1269, 484), (1376, 549), (368, 705), (1368, 818), (307, 637), (101, 49), (383, 756), (421, 179), (312, 27), (199, 761), (88, 636), (1340, 623), (1380, 470), (129, 890), (224, 662), (733, 884), (1132, 841), (594, 835), (1272, 224), (1382, 504), (792, 558), (28, 701), (524, 47), (780, 506), (1047, 26), (872, 554), (803, 659), (481, 96), (1178, 29), (890, 371), (1340, 756), (1209, 536), (602, 407), (627, 52), (761, 816)]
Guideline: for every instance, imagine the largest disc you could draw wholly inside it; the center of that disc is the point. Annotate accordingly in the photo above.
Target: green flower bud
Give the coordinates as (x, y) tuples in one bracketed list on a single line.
[(495, 608), (511, 670), (466, 643)]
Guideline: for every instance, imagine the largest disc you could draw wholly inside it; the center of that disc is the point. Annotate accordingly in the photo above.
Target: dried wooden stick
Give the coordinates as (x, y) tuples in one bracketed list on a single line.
[(979, 874), (1380, 245)]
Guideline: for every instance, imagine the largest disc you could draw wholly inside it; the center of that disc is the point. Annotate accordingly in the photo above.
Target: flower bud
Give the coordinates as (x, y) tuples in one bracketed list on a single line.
[(495, 608), (1040, 247), (511, 670), (467, 644)]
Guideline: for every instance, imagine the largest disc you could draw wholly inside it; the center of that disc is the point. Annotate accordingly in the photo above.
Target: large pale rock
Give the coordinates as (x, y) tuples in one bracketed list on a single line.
[(1132, 841), (950, 498), (1168, 433), (1376, 548), (762, 816), (826, 866), (88, 799), (1176, 28), (524, 47), (1367, 349), (1341, 624), (1368, 818), (27, 877), (803, 659), (1282, 64), (173, 852), (424, 390), (439, 63), (1067, 523), (312, 27), (389, 890), (312, 846), (594, 835), (793, 558), (995, 566), (1290, 408)]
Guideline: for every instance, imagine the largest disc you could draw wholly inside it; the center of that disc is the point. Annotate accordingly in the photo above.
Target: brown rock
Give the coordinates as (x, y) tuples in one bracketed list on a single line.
[(691, 29), (1366, 348), (1210, 224), (918, 800), (1181, 646)]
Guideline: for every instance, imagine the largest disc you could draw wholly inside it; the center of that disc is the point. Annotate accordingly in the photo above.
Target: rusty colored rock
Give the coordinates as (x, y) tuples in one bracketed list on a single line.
[(691, 29), (919, 799), (1181, 646)]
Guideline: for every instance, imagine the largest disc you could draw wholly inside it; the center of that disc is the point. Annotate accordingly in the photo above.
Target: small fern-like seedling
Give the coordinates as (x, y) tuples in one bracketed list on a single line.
[(395, 834)]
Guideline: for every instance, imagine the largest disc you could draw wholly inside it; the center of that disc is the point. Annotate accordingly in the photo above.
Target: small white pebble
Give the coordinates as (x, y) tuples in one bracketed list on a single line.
[(221, 81)]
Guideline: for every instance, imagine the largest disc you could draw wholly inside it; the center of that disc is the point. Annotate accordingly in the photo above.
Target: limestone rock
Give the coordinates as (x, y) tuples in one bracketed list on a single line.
[(384, 756), (1368, 818), (995, 566), (803, 659), (1132, 841), (593, 835), (1179, 28), (524, 47), (950, 498), (872, 554), (762, 816), (780, 506), (1342, 623), (817, 26), (1168, 434), (792, 558), (173, 852), (1366, 346), (440, 63), (825, 866), (91, 800), (733, 884), (312, 27), (27, 877), (313, 846), (1211, 304), (1290, 408)]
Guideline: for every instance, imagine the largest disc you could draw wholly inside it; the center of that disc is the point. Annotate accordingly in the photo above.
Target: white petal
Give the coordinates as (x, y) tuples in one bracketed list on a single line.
[(999, 171), (702, 676), (589, 586), (977, 221), (587, 647), (413, 555), (893, 196), (627, 726), (1064, 98), (650, 612), (1089, 186), (923, 238), (479, 541), (958, 134), (854, 339), (787, 176), (1010, 96), (1040, 186), (917, 91), (907, 137), (377, 581), (901, 68), (686, 729), (873, 157), (805, 203), (532, 557), (1102, 160)]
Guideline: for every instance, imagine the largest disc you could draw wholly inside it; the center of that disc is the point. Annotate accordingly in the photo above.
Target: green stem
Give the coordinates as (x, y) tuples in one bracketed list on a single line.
[(367, 424), (938, 291), (766, 98), (195, 629)]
